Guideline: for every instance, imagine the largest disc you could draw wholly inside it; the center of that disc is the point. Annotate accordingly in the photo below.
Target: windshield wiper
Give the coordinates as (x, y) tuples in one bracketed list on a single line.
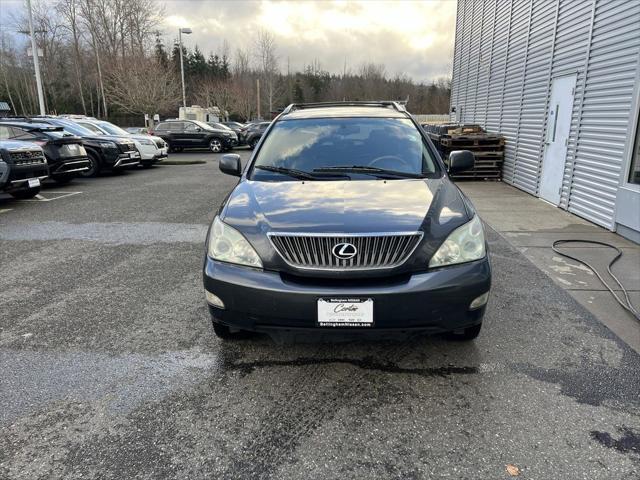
[(370, 170), (292, 172)]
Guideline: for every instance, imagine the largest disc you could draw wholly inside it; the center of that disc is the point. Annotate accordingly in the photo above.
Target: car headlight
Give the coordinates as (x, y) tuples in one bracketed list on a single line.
[(144, 141), (226, 244), (108, 145), (464, 244)]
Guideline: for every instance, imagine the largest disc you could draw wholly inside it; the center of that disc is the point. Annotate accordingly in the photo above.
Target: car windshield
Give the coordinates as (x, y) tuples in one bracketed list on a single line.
[(113, 129), (91, 127), (57, 133), (75, 129), (361, 148)]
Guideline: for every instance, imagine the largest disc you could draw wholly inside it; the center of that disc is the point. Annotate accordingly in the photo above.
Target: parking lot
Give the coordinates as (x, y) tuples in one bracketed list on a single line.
[(110, 369)]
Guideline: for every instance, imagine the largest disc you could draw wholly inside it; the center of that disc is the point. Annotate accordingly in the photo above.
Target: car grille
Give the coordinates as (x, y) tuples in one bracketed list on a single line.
[(374, 251), (33, 157)]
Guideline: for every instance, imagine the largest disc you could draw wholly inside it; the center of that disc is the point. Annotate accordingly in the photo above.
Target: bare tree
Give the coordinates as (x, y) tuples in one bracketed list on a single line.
[(266, 52), (217, 92), (143, 86), (68, 10)]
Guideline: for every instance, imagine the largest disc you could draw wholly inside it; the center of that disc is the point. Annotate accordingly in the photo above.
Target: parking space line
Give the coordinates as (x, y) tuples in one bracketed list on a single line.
[(5, 210), (42, 198)]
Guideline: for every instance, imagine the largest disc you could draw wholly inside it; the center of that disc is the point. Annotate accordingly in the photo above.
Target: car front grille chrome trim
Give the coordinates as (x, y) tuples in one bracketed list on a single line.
[(375, 251)]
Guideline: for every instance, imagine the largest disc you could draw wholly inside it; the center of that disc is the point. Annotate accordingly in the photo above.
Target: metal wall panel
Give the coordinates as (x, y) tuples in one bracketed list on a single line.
[(497, 66), (507, 54), (570, 54), (603, 126), (535, 90), (512, 86)]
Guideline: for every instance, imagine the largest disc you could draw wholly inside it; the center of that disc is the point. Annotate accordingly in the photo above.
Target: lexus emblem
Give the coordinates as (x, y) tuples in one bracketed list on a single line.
[(344, 251)]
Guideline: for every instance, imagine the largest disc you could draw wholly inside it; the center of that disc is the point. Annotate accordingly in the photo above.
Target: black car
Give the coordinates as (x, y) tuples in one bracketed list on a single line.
[(105, 152), (22, 167), (66, 157), (182, 134), (345, 218), (237, 127), (254, 133)]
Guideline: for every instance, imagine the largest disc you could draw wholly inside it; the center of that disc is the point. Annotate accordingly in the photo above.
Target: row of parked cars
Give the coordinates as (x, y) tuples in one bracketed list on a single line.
[(217, 137), (61, 148)]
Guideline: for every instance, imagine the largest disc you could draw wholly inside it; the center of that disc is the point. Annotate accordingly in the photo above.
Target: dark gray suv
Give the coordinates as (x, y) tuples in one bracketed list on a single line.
[(345, 219)]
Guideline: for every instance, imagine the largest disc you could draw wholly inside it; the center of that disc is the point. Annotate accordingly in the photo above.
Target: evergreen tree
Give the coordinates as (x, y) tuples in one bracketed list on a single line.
[(298, 93), (197, 63), (160, 52)]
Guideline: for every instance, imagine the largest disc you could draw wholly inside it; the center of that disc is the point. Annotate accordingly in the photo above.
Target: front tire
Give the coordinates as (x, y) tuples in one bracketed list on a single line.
[(26, 193), (94, 166), (215, 145), (253, 142)]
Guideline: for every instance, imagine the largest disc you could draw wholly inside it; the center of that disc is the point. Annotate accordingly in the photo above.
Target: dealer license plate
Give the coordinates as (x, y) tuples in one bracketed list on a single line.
[(34, 182), (345, 312)]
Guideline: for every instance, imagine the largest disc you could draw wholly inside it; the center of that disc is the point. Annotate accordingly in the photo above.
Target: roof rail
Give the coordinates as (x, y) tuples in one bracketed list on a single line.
[(399, 106), (15, 118)]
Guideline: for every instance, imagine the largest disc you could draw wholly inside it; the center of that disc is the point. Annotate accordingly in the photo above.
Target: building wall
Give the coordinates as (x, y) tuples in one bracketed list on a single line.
[(506, 55)]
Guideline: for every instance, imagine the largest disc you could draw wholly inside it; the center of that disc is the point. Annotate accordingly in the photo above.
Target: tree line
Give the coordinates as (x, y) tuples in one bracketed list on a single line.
[(106, 58)]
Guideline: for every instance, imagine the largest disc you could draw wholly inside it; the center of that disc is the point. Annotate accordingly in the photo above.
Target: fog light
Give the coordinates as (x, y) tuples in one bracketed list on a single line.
[(478, 302), (213, 300)]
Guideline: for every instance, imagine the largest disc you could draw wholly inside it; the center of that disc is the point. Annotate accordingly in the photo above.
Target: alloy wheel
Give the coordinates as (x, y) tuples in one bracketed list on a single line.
[(215, 145)]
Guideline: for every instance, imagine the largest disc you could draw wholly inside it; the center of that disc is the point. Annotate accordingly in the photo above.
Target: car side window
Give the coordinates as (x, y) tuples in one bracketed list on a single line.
[(5, 133), (162, 127), (19, 134), (190, 127)]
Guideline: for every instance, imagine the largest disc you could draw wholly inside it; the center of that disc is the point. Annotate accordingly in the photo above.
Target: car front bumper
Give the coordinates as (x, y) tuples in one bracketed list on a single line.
[(434, 301)]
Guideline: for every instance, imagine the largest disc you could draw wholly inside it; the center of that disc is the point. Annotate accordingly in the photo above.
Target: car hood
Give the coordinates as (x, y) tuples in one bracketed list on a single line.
[(142, 136), (433, 206), (108, 138)]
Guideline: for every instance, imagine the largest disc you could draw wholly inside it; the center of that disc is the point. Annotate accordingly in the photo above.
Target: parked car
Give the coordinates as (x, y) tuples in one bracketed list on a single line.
[(152, 149), (66, 157), (237, 128), (105, 152), (138, 130), (22, 167), (181, 134), (221, 126), (254, 133), (345, 218)]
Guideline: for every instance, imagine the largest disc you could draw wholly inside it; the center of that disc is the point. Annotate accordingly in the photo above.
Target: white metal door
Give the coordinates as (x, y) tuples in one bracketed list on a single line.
[(557, 138)]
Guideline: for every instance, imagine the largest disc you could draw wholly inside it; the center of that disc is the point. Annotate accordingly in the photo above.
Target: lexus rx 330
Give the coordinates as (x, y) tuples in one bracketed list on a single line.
[(345, 218)]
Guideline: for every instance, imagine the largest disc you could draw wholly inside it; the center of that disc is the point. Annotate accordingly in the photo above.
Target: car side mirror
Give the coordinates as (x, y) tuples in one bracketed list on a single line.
[(198, 129), (461, 160), (231, 164)]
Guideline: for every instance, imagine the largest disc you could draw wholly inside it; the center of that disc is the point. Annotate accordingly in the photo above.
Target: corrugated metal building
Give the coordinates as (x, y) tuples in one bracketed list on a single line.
[(560, 79)]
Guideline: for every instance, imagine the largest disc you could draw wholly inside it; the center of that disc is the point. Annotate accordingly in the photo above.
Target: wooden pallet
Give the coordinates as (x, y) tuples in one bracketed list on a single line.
[(461, 141)]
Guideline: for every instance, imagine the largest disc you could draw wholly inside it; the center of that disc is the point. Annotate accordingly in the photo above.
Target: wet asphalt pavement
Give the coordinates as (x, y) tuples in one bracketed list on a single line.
[(109, 368)]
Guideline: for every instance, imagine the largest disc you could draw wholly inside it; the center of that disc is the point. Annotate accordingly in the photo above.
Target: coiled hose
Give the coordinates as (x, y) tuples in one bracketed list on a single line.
[(626, 303)]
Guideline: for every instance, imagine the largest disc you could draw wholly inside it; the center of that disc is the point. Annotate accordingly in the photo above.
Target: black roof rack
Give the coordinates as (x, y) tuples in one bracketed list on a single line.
[(399, 106)]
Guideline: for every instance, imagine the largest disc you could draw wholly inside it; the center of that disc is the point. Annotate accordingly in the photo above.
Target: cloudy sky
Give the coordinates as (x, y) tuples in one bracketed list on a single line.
[(412, 37)]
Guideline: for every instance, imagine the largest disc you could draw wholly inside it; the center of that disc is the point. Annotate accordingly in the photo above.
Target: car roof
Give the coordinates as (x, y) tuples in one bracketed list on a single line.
[(29, 125), (343, 112)]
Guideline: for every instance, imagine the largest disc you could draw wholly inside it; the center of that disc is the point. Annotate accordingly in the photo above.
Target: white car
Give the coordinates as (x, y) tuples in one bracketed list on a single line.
[(152, 149)]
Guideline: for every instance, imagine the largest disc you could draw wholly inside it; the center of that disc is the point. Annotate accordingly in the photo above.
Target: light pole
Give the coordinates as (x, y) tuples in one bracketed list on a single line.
[(36, 61), (186, 31)]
